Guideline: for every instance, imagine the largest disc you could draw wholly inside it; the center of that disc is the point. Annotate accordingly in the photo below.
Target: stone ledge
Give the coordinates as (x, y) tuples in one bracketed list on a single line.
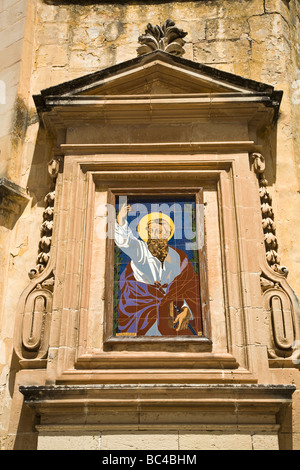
[(159, 406), (160, 393), (12, 197)]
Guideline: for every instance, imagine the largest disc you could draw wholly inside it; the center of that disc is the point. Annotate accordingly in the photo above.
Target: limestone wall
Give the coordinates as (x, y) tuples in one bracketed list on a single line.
[(44, 43), (12, 27), (256, 39)]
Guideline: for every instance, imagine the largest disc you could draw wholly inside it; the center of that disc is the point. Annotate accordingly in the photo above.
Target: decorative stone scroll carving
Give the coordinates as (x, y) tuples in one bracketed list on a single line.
[(280, 304), (32, 330), (282, 321), (33, 323), (268, 223), (166, 38), (47, 225)]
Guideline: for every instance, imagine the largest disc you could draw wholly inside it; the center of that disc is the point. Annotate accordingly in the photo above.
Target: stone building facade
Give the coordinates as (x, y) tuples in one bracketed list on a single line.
[(93, 107)]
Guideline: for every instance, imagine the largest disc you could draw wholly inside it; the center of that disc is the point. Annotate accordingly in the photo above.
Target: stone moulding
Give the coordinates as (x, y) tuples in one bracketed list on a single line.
[(74, 91), (157, 392), (142, 406), (279, 301), (103, 98), (33, 322), (12, 198), (164, 363), (34, 311), (166, 38), (47, 225), (282, 311), (268, 223)]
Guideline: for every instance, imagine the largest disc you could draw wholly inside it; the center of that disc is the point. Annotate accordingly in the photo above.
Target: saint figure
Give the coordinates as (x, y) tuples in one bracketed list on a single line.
[(160, 292)]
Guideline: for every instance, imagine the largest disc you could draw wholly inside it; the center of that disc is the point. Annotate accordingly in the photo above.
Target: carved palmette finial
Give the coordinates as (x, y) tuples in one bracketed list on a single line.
[(168, 38)]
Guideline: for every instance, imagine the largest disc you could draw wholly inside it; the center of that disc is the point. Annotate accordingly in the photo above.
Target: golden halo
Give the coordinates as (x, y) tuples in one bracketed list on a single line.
[(143, 224)]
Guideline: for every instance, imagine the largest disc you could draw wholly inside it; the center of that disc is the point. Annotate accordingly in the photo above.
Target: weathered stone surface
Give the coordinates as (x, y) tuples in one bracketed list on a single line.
[(46, 43), (69, 441)]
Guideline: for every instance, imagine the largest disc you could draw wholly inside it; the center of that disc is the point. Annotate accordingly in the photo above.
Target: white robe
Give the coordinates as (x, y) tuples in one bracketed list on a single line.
[(146, 267)]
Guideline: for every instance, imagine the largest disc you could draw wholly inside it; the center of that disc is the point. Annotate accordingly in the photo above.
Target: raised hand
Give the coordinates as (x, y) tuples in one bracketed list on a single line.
[(123, 214)]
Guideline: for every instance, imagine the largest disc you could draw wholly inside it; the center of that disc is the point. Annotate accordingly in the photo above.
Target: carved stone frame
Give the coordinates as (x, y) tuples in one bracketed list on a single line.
[(156, 190), (79, 346), (72, 322), (74, 352)]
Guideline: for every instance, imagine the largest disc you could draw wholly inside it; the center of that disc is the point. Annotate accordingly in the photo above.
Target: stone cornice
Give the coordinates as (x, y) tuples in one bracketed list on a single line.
[(165, 147), (195, 93), (253, 398), (12, 197), (78, 85)]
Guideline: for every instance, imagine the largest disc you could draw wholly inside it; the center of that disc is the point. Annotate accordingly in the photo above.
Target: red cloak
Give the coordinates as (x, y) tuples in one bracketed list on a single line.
[(141, 304)]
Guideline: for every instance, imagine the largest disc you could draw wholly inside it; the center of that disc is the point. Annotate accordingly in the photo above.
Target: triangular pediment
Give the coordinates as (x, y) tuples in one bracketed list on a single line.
[(157, 73), (158, 77), (157, 86)]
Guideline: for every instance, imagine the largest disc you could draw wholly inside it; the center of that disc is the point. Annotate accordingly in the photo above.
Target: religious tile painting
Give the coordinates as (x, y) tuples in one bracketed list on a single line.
[(156, 267)]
